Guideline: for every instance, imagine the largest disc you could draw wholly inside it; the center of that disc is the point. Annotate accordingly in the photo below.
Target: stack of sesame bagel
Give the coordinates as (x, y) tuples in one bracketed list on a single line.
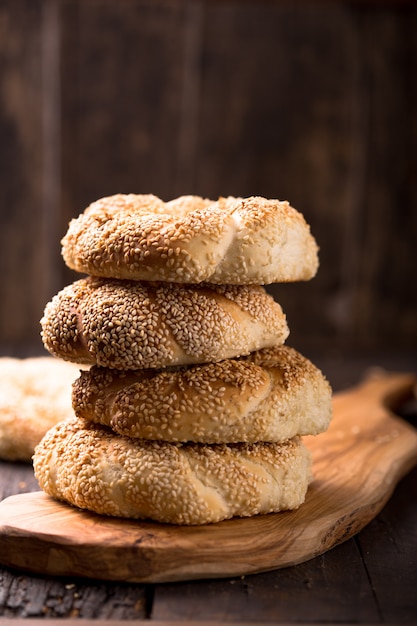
[(192, 409)]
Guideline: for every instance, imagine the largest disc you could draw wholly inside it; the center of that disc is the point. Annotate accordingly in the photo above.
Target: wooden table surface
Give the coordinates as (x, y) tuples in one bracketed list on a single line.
[(369, 579)]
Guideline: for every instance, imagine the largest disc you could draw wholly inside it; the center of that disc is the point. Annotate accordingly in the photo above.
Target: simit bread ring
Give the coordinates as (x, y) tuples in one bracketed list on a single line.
[(89, 466), (191, 240), (134, 325), (271, 395), (35, 394)]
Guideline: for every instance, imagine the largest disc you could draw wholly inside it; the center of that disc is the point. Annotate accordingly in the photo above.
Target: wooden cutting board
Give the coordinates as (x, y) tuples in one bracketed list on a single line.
[(356, 464)]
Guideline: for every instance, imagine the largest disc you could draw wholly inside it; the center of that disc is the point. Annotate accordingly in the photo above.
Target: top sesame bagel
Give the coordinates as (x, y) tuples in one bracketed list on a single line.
[(191, 240)]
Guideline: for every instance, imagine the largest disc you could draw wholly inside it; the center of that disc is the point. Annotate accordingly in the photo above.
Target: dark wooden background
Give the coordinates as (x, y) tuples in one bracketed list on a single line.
[(314, 102)]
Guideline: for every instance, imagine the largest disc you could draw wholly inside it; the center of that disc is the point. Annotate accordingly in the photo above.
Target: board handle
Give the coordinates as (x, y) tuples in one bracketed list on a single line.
[(389, 390)]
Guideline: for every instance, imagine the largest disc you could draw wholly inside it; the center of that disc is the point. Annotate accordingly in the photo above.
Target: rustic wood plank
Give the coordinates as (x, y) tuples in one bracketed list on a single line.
[(280, 126), (21, 285), (389, 220), (218, 98), (272, 64), (330, 588), (43, 597), (389, 551), (122, 98), (237, 78)]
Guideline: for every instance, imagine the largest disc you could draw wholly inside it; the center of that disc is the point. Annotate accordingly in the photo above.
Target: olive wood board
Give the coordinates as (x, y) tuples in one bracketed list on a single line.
[(357, 463)]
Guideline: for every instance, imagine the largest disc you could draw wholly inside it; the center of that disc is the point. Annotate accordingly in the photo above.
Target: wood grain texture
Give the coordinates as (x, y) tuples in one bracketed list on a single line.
[(357, 464), (124, 119), (387, 61), (331, 588), (389, 548), (20, 171), (308, 592)]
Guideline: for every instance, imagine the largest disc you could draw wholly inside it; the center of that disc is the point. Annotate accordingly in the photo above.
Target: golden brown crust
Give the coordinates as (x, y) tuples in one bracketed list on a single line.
[(91, 467), (191, 240), (271, 395), (134, 325), (35, 394)]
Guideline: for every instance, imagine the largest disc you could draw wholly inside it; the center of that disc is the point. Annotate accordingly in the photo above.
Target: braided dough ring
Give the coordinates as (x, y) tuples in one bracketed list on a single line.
[(271, 395), (35, 394), (191, 240), (91, 467), (134, 325)]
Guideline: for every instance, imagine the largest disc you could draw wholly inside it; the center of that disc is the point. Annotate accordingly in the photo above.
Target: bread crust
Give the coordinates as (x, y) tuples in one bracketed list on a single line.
[(271, 395), (90, 467), (191, 240), (35, 394), (136, 325)]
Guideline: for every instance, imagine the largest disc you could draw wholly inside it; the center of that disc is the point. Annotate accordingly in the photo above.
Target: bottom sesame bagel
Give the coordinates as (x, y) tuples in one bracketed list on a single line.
[(90, 467)]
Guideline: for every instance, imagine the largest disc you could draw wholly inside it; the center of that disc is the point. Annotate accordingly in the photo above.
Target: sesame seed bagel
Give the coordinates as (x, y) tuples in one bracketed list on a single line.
[(136, 325), (90, 467), (191, 240), (35, 394), (271, 395)]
